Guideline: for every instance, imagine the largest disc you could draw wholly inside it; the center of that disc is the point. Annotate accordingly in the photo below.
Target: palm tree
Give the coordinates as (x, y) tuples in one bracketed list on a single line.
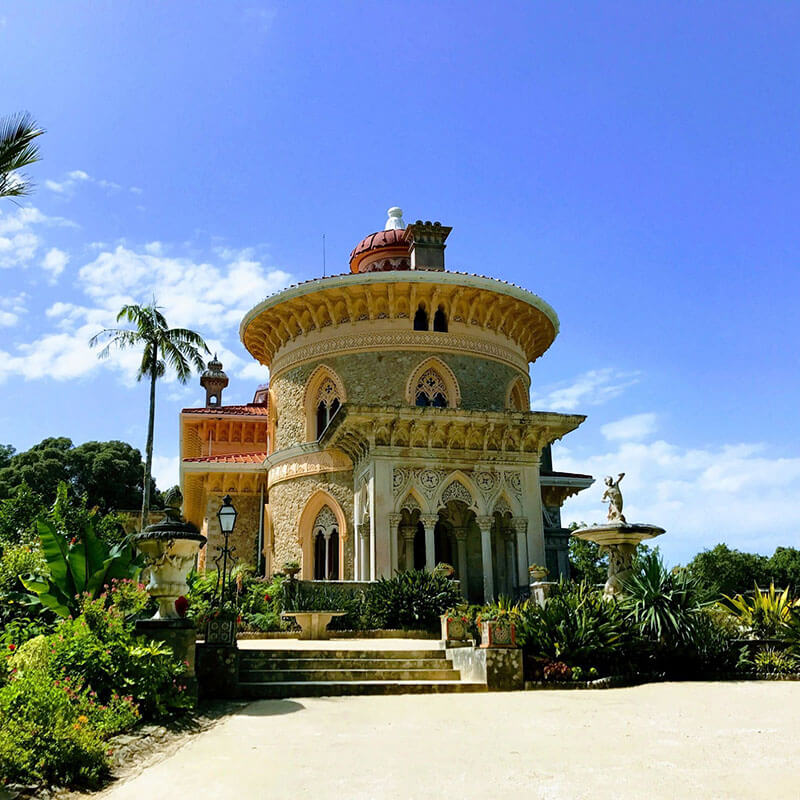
[(17, 150), (164, 347)]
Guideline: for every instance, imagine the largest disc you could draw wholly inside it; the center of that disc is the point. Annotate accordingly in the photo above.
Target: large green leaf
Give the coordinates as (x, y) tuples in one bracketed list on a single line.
[(49, 595), (76, 557), (56, 553)]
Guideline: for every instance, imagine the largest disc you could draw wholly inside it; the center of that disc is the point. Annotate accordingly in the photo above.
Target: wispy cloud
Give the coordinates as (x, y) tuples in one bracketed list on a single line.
[(589, 389), (73, 179), (636, 426)]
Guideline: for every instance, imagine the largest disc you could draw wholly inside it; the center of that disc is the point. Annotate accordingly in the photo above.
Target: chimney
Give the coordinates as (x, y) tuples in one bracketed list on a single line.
[(214, 380), (426, 244)]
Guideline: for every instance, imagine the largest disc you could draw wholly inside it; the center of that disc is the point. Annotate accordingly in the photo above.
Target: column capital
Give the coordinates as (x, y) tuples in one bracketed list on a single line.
[(460, 532), (394, 519), (429, 520), (520, 524), (484, 523), (408, 532)]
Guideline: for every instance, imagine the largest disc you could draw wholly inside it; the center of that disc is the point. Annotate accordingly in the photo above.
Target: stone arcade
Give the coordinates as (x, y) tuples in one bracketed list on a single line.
[(396, 428)]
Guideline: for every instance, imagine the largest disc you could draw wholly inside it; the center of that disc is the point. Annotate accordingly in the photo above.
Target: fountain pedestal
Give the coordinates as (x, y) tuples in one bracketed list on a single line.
[(620, 540)]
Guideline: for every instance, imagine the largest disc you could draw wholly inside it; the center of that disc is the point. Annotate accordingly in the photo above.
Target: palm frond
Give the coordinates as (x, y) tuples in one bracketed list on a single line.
[(17, 150)]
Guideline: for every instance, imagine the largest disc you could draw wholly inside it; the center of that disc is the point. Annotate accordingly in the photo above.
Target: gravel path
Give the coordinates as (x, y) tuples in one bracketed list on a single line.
[(673, 740)]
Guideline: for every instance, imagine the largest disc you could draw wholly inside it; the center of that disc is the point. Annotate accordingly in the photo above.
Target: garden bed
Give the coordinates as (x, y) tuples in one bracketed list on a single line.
[(611, 682)]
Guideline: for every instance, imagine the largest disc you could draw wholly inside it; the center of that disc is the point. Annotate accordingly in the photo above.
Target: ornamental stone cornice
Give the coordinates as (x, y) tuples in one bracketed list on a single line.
[(556, 489), (472, 302), (304, 459), (359, 430)]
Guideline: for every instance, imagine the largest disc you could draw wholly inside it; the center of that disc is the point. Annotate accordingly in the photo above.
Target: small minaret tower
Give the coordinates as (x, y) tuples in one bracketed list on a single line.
[(214, 380)]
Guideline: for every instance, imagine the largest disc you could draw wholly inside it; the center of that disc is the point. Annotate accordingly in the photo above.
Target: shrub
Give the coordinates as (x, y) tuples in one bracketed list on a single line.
[(774, 662), (579, 627), (16, 560), (558, 671), (131, 599), (414, 599), (763, 615), (53, 731)]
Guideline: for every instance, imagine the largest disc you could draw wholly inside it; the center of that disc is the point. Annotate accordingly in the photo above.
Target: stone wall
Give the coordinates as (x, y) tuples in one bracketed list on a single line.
[(245, 534), (380, 378), (287, 500)]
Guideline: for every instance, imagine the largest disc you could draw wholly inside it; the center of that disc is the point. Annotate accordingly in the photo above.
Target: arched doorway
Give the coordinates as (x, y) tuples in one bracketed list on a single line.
[(326, 546)]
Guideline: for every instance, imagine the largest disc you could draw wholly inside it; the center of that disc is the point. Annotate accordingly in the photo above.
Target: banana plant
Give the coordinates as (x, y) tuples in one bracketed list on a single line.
[(84, 565)]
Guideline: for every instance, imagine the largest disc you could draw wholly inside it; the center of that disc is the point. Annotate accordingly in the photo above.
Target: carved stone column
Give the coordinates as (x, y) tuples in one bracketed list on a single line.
[(485, 524), (461, 547), (363, 544), (511, 583), (429, 521), (408, 532), (394, 523), (520, 525), (327, 535)]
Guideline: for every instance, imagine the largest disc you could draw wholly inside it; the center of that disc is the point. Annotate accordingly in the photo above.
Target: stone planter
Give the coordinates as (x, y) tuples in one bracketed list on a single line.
[(290, 572), (498, 633), (221, 630), (170, 548), (538, 573), (454, 629)]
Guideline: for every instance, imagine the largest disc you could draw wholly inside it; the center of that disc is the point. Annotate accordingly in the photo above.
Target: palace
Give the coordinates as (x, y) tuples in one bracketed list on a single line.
[(395, 431)]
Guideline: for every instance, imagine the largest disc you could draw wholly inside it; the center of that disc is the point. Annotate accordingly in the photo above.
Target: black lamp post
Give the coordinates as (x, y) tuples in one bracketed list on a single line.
[(227, 520)]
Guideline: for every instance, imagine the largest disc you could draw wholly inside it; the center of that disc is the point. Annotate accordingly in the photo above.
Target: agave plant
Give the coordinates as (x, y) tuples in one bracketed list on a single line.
[(663, 604), (766, 613)]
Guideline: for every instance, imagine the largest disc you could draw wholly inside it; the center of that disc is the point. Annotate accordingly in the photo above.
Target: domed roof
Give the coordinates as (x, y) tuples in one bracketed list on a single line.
[(381, 251)]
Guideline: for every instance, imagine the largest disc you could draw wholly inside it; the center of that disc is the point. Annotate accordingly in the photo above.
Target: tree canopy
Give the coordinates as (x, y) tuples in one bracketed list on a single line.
[(108, 474)]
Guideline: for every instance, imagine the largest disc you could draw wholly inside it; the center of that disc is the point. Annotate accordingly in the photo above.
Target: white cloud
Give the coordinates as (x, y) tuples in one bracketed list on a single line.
[(202, 296), (11, 308), (19, 241), (637, 426), (55, 261), (590, 389), (731, 493), (72, 179)]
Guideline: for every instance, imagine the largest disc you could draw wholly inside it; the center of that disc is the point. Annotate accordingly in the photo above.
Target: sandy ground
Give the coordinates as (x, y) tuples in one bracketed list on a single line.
[(673, 740)]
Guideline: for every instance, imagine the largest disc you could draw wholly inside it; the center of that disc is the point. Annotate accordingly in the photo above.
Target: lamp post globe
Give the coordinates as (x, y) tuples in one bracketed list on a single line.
[(227, 515)]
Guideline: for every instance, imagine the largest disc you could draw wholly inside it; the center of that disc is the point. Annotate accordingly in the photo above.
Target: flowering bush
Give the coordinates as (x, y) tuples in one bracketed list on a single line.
[(54, 731), (557, 671)]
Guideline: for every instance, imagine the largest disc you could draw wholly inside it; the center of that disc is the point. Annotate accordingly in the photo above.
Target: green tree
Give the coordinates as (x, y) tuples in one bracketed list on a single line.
[(108, 474), (783, 568), (586, 562), (727, 571), (6, 453), (17, 150), (162, 347)]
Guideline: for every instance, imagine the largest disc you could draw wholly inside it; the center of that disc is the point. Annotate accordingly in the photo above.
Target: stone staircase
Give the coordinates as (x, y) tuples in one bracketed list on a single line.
[(277, 673)]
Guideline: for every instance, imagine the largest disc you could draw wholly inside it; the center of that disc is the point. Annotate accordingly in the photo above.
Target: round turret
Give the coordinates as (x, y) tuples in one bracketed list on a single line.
[(214, 380)]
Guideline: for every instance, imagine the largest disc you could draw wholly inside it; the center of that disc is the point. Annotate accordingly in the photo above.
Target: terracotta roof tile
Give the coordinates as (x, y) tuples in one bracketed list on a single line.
[(231, 458), (250, 409)]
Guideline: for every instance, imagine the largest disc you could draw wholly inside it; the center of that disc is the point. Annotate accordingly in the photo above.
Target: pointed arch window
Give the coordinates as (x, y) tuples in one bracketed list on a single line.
[(431, 390), (421, 319), (440, 320), (326, 546), (518, 398), (328, 404)]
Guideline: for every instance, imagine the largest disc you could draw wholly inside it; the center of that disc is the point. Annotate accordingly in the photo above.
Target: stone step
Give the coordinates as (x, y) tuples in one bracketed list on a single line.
[(342, 663), (334, 675), (279, 689), (247, 655)]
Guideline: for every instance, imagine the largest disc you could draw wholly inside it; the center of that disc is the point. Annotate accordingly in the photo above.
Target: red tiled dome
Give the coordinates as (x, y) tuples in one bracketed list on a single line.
[(380, 251)]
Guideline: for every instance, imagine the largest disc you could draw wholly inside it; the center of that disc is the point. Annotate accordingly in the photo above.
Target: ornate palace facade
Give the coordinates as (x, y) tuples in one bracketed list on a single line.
[(396, 429)]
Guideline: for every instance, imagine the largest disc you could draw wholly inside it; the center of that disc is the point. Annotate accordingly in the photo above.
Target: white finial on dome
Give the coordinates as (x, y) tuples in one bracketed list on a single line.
[(395, 221)]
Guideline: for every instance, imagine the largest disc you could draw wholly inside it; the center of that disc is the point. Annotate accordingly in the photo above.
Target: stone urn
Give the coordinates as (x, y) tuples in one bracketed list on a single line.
[(538, 573), (170, 548)]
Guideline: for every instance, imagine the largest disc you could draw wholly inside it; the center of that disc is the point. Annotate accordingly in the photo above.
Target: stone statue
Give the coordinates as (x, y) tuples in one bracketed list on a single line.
[(173, 500), (614, 497)]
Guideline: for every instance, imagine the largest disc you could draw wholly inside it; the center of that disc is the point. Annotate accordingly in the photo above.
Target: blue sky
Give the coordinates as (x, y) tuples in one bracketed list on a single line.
[(637, 165)]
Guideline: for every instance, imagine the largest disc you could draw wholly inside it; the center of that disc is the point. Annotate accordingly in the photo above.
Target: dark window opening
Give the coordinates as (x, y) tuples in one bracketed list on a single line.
[(322, 418), (440, 321), (422, 399), (421, 320), (439, 400), (419, 547)]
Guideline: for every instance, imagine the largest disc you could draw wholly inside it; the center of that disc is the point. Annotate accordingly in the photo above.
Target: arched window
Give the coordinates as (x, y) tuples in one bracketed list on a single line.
[(326, 546), (518, 398), (440, 320), (431, 389), (327, 404), (421, 319)]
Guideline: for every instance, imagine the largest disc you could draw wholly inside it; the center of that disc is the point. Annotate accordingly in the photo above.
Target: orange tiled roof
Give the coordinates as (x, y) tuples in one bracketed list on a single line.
[(231, 458), (250, 409)]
